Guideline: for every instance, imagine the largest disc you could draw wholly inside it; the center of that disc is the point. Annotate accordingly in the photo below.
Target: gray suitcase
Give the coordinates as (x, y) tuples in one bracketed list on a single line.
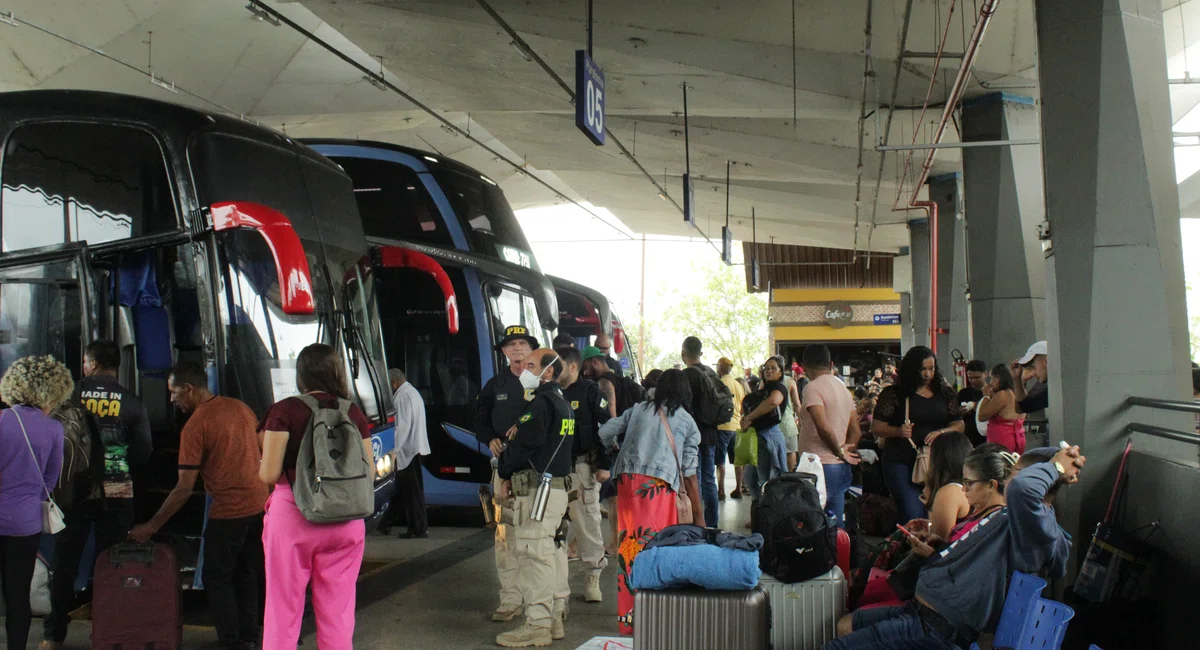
[(804, 615), (695, 619)]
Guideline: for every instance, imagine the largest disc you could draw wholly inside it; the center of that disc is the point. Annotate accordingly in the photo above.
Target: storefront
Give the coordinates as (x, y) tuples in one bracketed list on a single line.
[(860, 326)]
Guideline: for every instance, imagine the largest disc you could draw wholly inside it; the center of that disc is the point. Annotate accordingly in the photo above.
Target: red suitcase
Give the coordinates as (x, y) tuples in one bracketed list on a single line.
[(843, 551), (136, 599)]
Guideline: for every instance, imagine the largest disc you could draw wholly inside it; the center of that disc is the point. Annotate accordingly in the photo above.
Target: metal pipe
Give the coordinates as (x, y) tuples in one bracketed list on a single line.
[(958, 145), (887, 129), (932, 55), (1163, 432), (687, 146), (862, 126), (1192, 406), (589, 27), (986, 11), (931, 208)]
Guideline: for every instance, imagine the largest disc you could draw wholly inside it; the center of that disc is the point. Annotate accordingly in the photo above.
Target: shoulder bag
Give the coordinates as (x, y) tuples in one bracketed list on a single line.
[(53, 520), (683, 504), (921, 465)]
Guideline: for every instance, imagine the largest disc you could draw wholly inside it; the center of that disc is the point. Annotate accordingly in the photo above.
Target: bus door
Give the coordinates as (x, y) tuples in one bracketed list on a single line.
[(47, 305)]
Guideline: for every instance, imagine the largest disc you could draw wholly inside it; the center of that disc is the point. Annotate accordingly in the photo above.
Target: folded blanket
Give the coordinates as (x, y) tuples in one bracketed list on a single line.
[(692, 535), (707, 566)]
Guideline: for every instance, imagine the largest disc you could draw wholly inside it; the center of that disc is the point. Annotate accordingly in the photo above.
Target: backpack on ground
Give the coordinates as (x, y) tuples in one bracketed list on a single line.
[(799, 539), (716, 405), (334, 477), (82, 475)]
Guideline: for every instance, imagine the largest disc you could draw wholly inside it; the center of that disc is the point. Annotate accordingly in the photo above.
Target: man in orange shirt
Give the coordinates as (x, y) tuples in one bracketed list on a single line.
[(219, 443)]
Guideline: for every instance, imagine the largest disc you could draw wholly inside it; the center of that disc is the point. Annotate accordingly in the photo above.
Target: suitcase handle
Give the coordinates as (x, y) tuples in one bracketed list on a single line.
[(141, 553)]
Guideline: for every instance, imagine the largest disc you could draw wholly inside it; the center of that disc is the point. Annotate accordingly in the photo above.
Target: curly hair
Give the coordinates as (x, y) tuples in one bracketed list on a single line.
[(910, 371), (42, 382)]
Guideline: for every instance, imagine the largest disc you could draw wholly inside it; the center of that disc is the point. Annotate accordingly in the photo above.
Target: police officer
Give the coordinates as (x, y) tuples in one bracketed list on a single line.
[(541, 444), (499, 405), (590, 465)]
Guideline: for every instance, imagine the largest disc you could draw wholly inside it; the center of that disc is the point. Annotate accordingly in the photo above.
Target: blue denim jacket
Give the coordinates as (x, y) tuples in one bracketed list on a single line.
[(646, 450)]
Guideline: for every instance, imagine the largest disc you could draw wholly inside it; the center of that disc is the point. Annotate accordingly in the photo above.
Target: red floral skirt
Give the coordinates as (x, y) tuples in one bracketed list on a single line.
[(645, 505)]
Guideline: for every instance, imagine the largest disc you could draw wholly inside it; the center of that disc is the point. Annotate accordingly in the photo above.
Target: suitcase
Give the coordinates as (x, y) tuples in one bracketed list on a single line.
[(136, 599), (843, 551), (695, 619), (804, 615)]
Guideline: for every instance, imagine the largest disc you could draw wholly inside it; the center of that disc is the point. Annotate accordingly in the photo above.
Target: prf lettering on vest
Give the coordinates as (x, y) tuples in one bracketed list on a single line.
[(568, 428), (100, 403)]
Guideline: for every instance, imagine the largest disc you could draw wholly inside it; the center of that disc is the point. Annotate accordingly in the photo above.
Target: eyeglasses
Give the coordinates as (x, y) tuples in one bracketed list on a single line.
[(604, 349), (967, 483)]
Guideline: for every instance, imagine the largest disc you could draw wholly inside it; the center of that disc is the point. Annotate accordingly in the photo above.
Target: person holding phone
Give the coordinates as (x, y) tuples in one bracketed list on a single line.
[(961, 588), (910, 414)]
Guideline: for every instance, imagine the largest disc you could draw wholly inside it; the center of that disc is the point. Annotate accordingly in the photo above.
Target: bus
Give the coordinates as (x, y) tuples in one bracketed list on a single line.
[(183, 236), (455, 215), (583, 311)]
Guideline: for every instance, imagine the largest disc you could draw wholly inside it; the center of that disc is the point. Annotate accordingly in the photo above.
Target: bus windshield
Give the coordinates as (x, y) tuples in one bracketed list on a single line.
[(486, 215), (262, 341), (512, 307)]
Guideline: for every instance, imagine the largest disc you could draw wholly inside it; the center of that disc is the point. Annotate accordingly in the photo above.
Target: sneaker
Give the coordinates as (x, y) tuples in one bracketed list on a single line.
[(506, 613), (558, 628), (591, 589), (525, 636)]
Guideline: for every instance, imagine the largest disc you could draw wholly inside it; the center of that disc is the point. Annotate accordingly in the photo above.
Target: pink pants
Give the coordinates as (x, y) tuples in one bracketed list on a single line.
[(296, 551)]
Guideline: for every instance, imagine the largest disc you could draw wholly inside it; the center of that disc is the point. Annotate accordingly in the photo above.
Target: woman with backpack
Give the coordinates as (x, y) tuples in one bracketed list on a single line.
[(658, 459), (297, 550), (31, 453)]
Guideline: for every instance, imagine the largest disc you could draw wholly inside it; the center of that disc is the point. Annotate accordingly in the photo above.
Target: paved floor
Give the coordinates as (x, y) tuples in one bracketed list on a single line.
[(439, 593)]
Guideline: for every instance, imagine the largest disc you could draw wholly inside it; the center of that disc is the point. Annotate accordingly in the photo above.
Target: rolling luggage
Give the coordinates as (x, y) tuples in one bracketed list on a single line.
[(804, 615), (136, 599), (694, 619)]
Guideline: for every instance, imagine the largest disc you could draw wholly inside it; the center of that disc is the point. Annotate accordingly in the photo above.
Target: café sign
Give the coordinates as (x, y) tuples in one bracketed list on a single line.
[(838, 314)]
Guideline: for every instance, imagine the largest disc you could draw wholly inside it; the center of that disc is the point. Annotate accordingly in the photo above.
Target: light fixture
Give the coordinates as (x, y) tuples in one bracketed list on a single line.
[(488, 180), (375, 82), (262, 14), (163, 83), (9, 19), (431, 159)]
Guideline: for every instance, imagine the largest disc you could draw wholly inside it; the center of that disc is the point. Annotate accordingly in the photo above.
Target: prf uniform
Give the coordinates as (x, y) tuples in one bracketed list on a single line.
[(591, 411), (501, 402), (542, 444)]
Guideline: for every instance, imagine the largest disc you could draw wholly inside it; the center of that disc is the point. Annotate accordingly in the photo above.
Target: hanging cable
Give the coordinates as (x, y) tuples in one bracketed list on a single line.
[(447, 124)]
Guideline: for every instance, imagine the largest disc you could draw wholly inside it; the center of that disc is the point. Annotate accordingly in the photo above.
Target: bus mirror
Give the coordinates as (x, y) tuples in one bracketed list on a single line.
[(291, 264), (618, 339), (395, 257)]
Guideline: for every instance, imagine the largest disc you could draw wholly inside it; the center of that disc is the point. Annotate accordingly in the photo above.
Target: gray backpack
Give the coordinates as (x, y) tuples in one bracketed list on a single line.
[(334, 477)]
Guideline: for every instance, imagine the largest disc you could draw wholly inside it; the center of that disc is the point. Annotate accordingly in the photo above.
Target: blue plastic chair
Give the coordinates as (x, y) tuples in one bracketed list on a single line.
[(1046, 625), (1022, 590)]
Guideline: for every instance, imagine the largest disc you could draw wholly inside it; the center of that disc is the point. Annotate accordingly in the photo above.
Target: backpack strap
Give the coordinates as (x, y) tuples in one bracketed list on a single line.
[(344, 406), (310, 401)]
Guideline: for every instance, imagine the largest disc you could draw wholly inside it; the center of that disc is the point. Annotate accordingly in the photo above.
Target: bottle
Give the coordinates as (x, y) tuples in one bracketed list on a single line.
[(541, 498)]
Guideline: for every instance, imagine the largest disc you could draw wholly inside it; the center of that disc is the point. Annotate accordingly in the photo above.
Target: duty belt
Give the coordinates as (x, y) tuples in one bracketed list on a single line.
[(943, 627)]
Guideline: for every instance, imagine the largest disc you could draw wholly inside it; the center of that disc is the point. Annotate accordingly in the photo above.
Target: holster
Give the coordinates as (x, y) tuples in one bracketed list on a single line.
[(524, 483)]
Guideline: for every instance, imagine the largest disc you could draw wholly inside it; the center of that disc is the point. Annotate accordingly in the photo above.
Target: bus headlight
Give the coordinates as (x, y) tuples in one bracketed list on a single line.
[(383, 466)]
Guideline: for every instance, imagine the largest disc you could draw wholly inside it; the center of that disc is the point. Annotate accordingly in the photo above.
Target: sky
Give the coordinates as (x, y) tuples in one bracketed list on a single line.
[(572, 244)]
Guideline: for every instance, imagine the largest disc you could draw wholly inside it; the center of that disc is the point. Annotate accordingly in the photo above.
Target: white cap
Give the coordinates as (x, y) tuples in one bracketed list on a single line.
[(1033, 351)]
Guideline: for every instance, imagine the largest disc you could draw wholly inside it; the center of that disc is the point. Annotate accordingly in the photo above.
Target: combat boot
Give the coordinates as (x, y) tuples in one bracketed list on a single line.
[(525, 636), (591, 588), (558, 627), (506, 613)]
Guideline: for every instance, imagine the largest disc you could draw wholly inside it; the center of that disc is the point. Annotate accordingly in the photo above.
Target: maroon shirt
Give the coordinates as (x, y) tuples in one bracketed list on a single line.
[(292, 415)]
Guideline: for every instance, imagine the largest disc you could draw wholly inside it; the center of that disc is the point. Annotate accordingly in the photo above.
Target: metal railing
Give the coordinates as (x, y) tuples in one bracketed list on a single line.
[(1192, 406)]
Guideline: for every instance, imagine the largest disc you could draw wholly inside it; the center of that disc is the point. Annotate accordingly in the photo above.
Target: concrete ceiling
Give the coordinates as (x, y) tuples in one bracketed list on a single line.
[(737, 59)]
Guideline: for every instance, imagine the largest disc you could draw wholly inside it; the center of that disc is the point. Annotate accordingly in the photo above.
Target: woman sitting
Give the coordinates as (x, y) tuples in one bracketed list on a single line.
[(1005, 425), (659, 456)]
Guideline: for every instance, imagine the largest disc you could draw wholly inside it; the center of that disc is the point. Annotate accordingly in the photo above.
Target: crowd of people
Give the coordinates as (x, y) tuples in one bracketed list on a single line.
[(260, 527)]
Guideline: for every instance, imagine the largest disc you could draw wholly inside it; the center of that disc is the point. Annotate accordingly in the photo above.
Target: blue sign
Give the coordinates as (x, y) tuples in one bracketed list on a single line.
[(689, 200), (886, 319), (589, 97)]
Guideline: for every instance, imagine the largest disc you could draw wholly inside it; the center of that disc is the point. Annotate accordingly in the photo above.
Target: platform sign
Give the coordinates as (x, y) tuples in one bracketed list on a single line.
[(886, 319), (727, 245), (589, 97), (689, 200)]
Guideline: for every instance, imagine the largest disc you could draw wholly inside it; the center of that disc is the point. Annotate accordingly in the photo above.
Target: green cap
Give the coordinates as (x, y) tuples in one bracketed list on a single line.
[(591, 352)]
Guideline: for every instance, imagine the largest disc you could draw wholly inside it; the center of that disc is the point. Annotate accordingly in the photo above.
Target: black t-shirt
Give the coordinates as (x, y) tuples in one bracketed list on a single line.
[(502, 400), (124, 430), (1038, 399), (614, 365), (708, 432), (969, 394), (539, 444), (772, 419), (591, 411), (928, 414)]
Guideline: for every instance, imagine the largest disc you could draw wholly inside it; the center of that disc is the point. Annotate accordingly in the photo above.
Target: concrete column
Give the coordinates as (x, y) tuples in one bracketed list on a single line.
[(1113, 206), (918, 230), (952, 316), (907, 337), (1003, 197)]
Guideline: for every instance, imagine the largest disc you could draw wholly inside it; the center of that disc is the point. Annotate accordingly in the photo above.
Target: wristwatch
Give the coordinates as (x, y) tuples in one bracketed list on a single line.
[(1061, 470)]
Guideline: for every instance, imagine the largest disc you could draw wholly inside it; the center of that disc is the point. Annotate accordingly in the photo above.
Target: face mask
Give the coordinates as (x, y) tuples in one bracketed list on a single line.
[(530, 381)]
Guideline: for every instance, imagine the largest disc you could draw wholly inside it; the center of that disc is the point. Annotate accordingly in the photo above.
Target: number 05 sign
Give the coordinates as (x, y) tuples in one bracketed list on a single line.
[(589, 97)]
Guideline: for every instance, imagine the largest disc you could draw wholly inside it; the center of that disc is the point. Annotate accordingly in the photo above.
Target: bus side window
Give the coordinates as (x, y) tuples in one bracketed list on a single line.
[(73, 181)]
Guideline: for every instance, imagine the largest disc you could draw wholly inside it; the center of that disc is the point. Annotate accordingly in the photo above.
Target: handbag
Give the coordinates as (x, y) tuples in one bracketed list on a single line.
[(920, 469), (683, 504), (53, 519)]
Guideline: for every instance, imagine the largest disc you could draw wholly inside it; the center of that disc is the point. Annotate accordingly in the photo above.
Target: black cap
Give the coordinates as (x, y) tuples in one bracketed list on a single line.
[(514, 332)]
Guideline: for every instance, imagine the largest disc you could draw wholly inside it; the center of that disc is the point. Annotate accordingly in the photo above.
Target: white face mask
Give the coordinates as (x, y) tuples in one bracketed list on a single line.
[(530, 381)]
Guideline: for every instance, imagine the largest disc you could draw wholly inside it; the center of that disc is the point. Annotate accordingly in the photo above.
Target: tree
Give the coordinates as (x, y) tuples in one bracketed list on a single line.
[(653, 355), (728, 320)]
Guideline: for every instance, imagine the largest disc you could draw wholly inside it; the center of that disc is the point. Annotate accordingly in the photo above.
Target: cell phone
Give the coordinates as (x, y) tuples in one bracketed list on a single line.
[(906, 531)]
